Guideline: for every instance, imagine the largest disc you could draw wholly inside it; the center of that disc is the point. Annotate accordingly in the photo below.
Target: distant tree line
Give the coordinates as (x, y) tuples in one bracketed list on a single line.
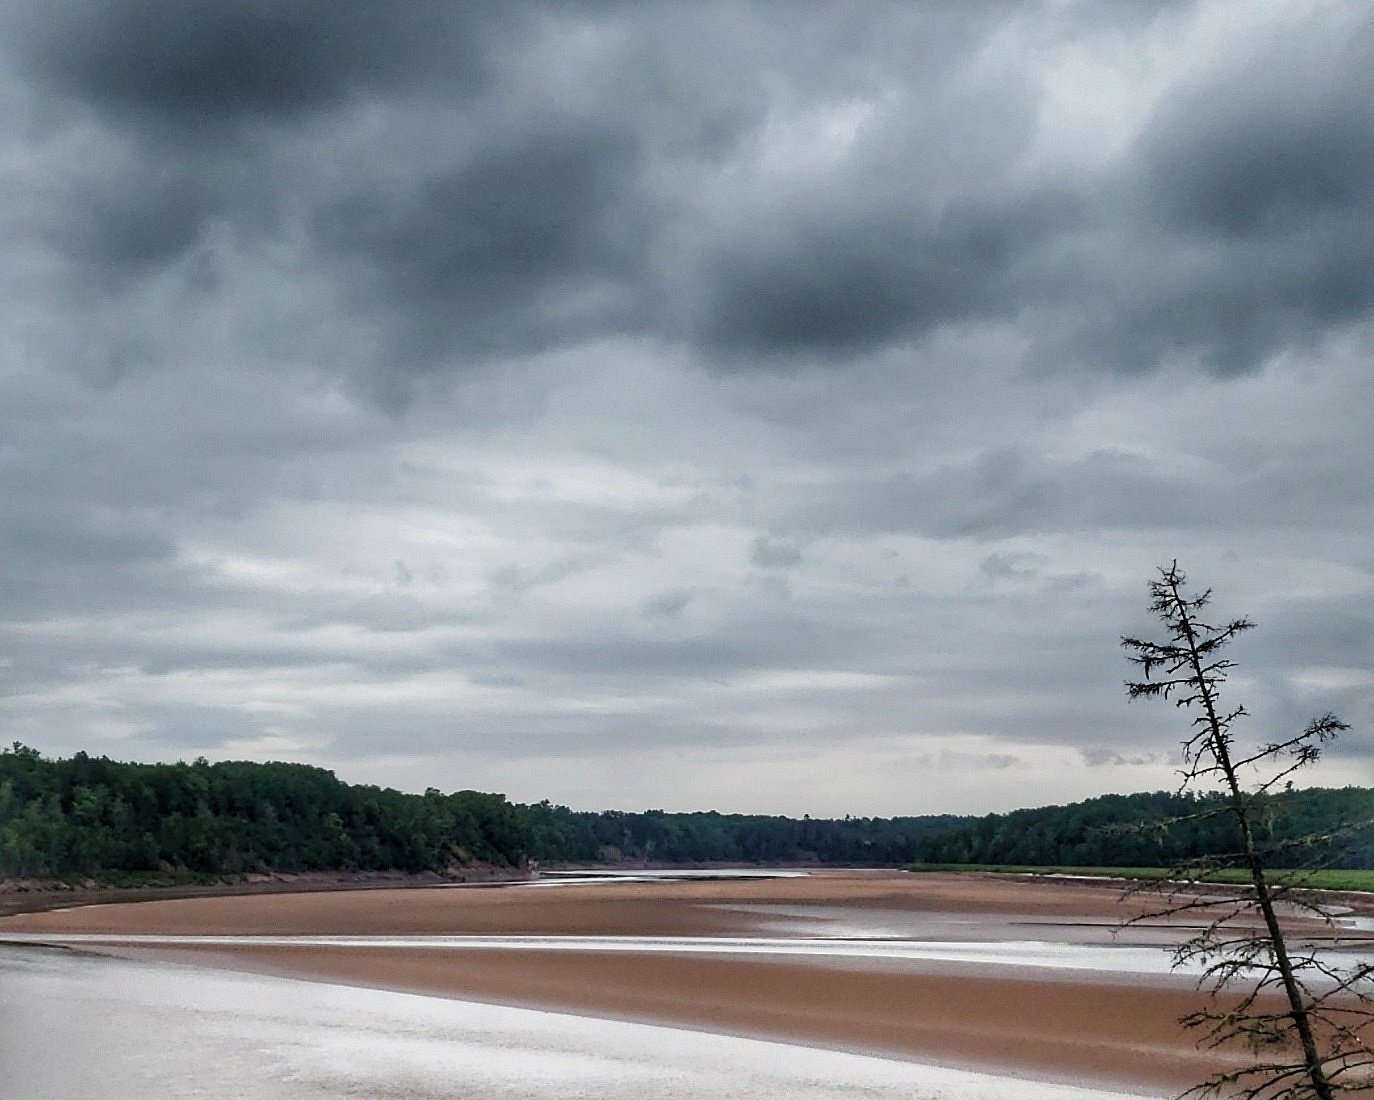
[(1316, 826), (557, 833), (94, 816), (89, 815)]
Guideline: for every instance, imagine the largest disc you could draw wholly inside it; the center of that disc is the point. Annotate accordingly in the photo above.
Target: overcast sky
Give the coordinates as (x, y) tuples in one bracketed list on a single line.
[(761, 407)]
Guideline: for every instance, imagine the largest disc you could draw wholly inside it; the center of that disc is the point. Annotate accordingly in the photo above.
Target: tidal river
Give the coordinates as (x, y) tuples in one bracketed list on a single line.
[(75, 1026)]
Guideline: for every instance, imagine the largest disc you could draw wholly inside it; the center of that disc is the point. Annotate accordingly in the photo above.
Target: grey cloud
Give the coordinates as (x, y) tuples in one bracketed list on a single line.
[(1272, 140), (1016, 489), (516, 735), (109, 494), (667, 605), (201, 102), (72, 555), (1007, 491), (53, 536), (107, 649), (847, 279), (190, 727), (553, 376), (517, 580), (774, 553), (1102, 757), (954, 760), (491, 205), (197, 65), (626, 657), (747, 640), (1258, 203), (496, 679), (382, 613), (1314, 631), (1013, 566), (519, 246), (131, 221), (520, 226), (1239, 225)]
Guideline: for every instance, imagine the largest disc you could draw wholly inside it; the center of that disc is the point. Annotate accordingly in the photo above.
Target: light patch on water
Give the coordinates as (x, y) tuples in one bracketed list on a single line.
[(1354, 924), (604, 877), (76, 1027), (1034, 954), (848, 923), (579, 880)]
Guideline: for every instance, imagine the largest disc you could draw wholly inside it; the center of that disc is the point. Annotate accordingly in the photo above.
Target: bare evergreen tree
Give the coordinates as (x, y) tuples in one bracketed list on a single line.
[(1306, 1018)]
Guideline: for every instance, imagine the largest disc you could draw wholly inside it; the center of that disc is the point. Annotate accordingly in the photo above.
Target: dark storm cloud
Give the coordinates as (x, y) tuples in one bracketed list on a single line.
[(527, 242), (496, 203), (1260, 178), (196, 67), (200, 100), (1239, 224), (131, 221), (1271, 143), (856, 276)]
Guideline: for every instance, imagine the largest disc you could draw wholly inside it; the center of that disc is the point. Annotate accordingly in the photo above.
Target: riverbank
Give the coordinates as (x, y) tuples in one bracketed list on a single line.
[(1093, 1025), (36, 895)]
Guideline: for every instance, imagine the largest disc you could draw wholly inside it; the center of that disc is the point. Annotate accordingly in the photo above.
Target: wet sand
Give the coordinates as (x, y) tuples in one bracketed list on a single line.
[(1079, 1026)]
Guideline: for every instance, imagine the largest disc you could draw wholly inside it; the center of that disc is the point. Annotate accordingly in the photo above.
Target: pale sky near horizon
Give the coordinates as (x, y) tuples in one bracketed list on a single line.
[(748, 406)]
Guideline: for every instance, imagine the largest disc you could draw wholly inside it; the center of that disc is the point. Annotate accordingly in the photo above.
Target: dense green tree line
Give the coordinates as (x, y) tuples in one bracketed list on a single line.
[(656, 836), (88, 815), (1326, 827), (93, 816)]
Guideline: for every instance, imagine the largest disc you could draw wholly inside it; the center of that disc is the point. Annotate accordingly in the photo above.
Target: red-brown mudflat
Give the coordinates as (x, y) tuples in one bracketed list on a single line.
[(1067, 1025)]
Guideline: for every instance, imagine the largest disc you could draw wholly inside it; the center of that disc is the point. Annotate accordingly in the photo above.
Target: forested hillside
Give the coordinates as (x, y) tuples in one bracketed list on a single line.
[(94, 816), (89, 815), (1113, 831), (653, 835)]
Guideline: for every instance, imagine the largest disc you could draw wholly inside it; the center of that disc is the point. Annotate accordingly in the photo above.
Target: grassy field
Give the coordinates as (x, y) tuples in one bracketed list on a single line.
[(1327, 879)]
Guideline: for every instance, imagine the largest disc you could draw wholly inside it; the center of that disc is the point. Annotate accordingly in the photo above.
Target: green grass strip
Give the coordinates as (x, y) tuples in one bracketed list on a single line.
[(1325, 879)]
